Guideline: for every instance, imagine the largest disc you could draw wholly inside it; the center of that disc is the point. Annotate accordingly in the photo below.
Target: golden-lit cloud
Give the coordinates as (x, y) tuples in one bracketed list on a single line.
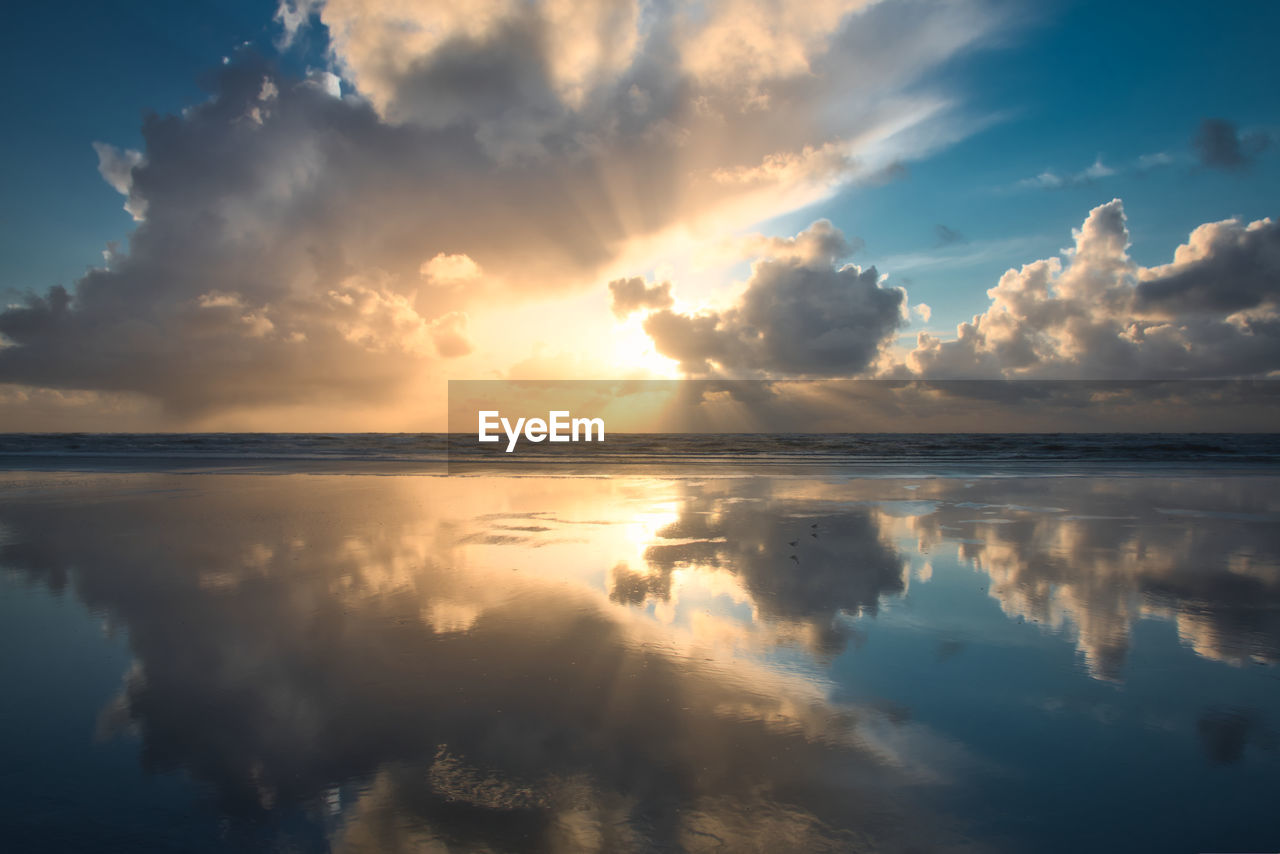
[(310, 246)]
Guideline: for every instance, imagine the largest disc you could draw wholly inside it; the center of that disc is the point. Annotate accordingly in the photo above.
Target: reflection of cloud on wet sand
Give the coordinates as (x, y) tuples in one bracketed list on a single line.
[(1094, 556), (1085, 557), (481, 696), (802, 565), (642, 667)]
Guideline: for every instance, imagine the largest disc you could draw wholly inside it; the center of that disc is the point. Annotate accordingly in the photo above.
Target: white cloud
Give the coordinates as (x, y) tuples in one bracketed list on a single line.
[(450, 269), (1051, 180), (292, 15), (1096, 314), (1157, 158), (116, 168)]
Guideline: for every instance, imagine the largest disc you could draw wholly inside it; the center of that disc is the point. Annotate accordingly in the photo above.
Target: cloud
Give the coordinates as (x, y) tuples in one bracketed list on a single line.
[(1219, 145), (449, 334), (1224, 268), (1051, 180), (800, 314), (1095, 314), (946, 236), (634, 294), (292, 15), (450, 269), (542, 143), (1154, 159), (116, 168), (820, 243)]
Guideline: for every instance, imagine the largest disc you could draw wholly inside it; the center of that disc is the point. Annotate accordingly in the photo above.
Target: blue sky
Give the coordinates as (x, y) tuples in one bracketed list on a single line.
[(1068, 84), (1076, 83), (1053, 110), (87, 76)]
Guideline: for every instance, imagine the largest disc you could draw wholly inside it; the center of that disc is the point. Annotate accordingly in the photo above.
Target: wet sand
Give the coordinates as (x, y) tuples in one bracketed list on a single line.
[(646, 662)]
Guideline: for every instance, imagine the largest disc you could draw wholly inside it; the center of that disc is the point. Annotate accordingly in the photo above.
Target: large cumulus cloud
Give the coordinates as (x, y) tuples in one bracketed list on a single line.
[(802, 313), (288, 232), (1096, 314)]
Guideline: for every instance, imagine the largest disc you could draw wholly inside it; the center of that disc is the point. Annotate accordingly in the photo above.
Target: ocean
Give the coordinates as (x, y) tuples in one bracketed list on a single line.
[(410, 450)]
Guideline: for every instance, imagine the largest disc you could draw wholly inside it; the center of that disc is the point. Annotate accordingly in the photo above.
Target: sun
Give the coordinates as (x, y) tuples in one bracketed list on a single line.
[(633, 353)]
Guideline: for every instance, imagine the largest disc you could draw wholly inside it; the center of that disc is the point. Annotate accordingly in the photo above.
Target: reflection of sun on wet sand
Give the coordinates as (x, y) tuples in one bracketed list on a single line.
[(357, 629), (615, 664)]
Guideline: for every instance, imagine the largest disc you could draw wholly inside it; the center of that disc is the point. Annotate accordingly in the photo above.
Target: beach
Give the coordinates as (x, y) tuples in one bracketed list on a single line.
[(724, 658), (629, 427)]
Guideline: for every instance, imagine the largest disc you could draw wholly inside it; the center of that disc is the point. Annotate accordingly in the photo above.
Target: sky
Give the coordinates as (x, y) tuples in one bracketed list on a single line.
[(311, 215)]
